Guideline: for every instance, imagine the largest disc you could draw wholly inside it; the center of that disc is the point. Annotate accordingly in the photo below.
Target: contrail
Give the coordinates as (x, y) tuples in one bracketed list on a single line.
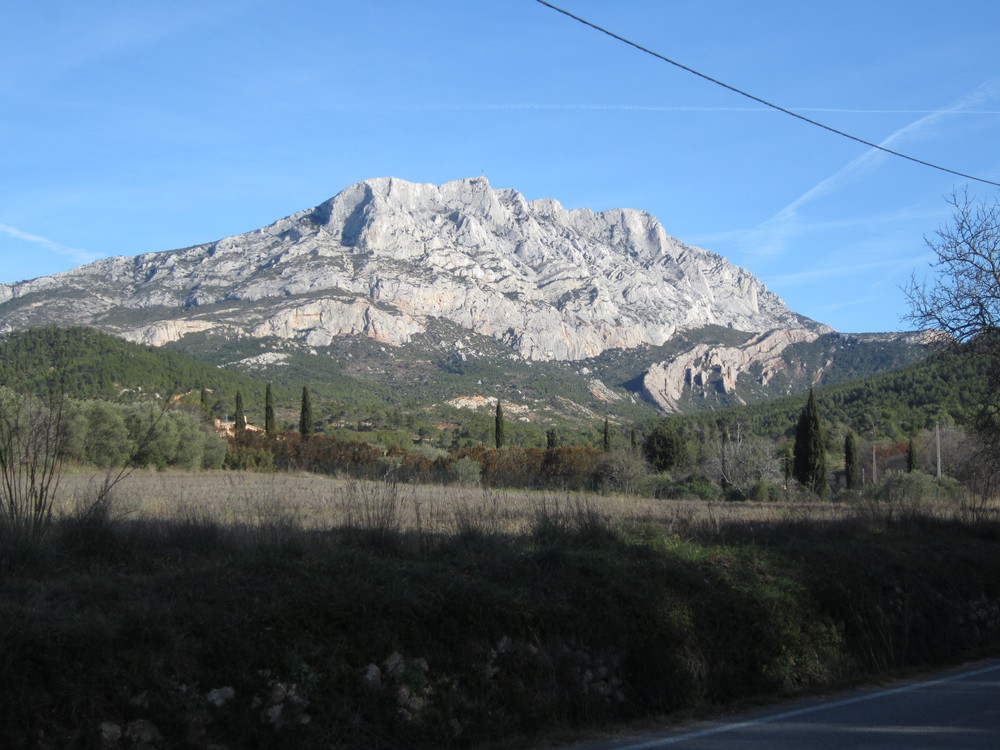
[(782, 224), (571, 107), (822, 274), (80, 256), (757, 99)]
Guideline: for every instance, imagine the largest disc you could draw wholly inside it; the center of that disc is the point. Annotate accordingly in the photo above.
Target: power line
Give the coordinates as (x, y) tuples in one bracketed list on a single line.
[(757, 99)]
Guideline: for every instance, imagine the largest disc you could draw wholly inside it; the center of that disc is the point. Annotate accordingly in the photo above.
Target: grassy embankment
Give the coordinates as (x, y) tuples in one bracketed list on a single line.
[(224, 610)]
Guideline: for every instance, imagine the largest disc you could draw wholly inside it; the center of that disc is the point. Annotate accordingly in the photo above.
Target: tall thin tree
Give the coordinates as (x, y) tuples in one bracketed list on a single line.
[(499, 430), (788, 460), (551, 439), (852, 462), (268, 410), (911, 457), (306, 414), (206, 407), (606, 440), (809, 466), (240, 419)]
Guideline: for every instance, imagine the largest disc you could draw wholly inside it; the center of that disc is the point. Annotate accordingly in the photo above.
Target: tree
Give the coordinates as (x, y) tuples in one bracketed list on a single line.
[(964, 299), (962, 303), (498, 427), (32, 437), (809, 466), (101, 434), (240, 418), (305, 414), (551, 439), (911, 457), (155, 437), (746, 465), (787, 456), (664, 447), (852, 463), (191, 439), (268, 410), (206, 407), (606, 440)]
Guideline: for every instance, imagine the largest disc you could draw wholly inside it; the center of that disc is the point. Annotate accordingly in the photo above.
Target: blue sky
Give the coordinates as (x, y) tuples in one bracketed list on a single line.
[(129, 127)]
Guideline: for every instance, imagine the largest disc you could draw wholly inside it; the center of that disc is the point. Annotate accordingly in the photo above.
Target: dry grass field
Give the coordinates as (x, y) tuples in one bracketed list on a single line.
[(314, 502), (213, 609)]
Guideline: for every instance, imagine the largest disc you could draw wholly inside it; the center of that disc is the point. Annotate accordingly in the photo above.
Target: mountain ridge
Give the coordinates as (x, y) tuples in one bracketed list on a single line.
[(384, 255), (440, 268)]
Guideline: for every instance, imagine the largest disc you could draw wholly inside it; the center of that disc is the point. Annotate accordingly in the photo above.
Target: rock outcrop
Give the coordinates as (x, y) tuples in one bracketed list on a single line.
[(665, 383), (385, 257)]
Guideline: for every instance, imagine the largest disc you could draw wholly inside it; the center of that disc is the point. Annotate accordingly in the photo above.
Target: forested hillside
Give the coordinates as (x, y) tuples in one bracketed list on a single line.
[(84, 363), (92, 364), (942, 388)]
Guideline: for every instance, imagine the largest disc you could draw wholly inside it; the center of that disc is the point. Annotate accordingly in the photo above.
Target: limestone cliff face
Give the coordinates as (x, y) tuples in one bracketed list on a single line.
[(665, 383), (385, 257)]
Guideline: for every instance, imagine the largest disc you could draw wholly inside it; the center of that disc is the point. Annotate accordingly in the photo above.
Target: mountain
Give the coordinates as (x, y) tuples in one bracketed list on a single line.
[(447, 269), (385, 256)]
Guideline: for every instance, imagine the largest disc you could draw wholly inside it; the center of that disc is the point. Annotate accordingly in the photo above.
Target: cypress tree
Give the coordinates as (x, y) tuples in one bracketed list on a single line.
[(606, 442), (268, 410), (852, 464), (633, 441), (810, 453), (306, 414), (664, 447), (206, 408), (911, 457), (551, 439), (498, 430), (241, 420)]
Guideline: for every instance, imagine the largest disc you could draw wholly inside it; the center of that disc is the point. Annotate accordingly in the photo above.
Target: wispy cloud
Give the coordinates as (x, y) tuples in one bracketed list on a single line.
[(85, 36), (76, 254), (828, 226), (827, 273), (771, 237), (895, 111), (598, 107)]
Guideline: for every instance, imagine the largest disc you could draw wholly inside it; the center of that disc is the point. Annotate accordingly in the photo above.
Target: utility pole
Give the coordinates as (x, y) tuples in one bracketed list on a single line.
[(874, 468), (937, 439)]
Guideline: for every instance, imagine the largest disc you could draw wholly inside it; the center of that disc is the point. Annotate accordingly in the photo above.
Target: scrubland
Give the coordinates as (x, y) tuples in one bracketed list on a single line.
[(228, 609), (304, 501)]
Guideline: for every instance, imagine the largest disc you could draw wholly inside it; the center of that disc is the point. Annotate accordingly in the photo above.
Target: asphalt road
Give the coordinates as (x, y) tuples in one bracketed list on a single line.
[(959, 708)]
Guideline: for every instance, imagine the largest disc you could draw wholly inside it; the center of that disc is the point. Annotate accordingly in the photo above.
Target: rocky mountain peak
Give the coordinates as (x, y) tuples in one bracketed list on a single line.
[(385, 257)]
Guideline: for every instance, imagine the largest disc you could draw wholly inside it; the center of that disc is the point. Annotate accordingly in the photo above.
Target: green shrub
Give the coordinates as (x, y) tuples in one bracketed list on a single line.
[(661, 485), (909, 489), (948, 489), (249, 456), (428, 451), (213, 454), (463, 471), (694, 488), (569, 466), (765, 492), (621, 472), (98, 435), (850, 497), (664, 447)]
